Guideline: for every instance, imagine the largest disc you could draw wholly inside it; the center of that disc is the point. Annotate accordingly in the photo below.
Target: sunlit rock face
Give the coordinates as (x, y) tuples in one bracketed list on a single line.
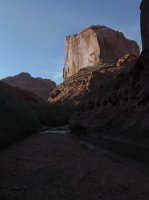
[(94, 46)]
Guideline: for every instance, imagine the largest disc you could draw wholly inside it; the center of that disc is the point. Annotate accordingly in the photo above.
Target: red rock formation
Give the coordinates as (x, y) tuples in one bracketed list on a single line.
[(41, 87), (89, 79), (93, 46), (126, 59)]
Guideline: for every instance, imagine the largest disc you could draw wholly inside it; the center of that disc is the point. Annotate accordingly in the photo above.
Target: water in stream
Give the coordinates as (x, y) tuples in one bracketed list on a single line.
[(57, 130)]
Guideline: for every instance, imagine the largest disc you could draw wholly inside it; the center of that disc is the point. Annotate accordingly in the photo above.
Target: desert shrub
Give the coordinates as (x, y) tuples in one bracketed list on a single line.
[(17, 118), (55, 114), (78, 130)]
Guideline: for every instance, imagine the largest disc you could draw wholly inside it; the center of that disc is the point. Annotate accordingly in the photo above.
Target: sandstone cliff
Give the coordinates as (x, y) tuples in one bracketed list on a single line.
[(41, 87), (94, 46)]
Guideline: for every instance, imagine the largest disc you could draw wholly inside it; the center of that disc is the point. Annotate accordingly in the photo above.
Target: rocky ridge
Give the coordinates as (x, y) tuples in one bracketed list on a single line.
[(89, 79), (25, 94), (40, 87)]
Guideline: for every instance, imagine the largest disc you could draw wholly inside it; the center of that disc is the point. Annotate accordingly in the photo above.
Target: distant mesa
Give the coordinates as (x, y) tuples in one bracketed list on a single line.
[(40, 87), (15, 91), (94, 46)]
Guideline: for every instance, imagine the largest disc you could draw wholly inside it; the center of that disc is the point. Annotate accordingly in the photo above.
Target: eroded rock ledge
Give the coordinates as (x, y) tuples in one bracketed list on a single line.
[(89, 79)]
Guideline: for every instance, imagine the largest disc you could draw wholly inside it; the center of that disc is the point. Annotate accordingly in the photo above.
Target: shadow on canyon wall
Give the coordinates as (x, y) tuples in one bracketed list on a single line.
[(23, 113), (119, 109)]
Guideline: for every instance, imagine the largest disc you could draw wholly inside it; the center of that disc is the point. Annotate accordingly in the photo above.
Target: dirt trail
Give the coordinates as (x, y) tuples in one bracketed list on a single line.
[(58, 167)]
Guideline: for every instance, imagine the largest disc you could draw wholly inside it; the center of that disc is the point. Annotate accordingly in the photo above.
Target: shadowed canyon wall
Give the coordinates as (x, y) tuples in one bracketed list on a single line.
[(144, 19), (41, 87), (119, 110)]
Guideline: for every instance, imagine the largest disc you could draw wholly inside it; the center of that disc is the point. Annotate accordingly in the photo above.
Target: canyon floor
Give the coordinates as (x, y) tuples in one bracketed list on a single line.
[(56, 166)]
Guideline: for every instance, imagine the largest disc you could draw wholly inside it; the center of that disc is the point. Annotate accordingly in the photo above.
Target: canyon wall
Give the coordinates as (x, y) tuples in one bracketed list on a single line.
[(144, 24)]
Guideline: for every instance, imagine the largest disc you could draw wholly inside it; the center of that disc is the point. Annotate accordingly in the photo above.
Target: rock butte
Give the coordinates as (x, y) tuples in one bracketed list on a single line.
[(94, 46)]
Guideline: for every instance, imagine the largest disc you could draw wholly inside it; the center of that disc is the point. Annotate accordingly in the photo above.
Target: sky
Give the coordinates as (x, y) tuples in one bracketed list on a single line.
[(32, 32)]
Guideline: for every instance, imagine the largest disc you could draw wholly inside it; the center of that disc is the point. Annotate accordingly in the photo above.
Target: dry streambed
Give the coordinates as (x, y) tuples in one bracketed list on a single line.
[(58, 166)]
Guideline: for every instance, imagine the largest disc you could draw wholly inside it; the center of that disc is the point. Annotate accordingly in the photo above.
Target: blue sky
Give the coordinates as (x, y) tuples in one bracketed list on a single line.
[(32, 31)]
